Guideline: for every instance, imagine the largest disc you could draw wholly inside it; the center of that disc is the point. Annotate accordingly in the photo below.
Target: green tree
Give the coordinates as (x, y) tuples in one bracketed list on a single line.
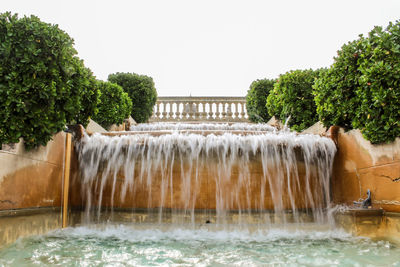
[(89, 94), (362, 89), (334, 90), (115, 105), (292, 96), (141, 90), (41, 81), (256, 99)]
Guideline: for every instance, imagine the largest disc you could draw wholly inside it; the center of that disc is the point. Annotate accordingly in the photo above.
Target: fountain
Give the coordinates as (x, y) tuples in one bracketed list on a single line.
[(215, 173), (173, 194)]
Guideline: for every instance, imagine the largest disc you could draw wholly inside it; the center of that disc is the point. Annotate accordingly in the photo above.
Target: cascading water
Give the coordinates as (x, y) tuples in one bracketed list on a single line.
[(237, 172), (265, 192)]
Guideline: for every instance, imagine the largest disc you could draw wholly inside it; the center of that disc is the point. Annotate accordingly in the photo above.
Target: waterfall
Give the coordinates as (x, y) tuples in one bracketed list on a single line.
[(221, 171)]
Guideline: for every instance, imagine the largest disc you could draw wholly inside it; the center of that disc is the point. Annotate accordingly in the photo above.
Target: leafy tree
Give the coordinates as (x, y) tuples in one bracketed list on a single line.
[(115, 105), (89, 93), (362, 88), (334, 90), (41, 81), (256, 99), (141, 90), (292, 96)]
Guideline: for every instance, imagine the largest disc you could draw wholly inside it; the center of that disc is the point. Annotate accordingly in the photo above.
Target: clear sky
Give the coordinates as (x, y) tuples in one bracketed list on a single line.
[(208, 47)]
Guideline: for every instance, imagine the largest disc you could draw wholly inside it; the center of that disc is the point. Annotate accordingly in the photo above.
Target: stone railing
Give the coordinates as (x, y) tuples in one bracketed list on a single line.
[(204, 108)]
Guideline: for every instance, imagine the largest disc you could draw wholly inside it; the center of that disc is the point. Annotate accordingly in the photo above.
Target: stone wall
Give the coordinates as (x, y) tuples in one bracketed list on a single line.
[(360, 166), (31, 187)]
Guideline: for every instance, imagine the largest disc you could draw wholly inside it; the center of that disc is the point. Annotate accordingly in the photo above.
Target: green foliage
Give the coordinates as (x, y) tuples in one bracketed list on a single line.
[(40, 81), (362, 87), (141, 90), (115, 105), (89, 94), (292, 96), (334, 92), (256, 99)]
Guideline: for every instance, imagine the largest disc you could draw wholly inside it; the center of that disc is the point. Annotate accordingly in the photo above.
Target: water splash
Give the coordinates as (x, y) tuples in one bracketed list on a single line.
[(273, 176)]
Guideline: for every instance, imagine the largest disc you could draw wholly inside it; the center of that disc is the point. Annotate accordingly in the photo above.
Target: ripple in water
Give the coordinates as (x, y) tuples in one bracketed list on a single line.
[(133, 246)]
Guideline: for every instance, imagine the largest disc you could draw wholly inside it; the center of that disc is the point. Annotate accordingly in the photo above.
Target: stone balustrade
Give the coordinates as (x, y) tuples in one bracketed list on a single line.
[(204, 108)]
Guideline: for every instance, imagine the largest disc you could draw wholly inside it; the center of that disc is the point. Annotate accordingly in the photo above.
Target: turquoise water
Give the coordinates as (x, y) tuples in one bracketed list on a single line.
[(132, 246)]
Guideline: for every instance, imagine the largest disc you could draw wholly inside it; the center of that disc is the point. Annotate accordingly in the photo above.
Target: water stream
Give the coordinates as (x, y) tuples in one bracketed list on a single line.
[(246, 169)]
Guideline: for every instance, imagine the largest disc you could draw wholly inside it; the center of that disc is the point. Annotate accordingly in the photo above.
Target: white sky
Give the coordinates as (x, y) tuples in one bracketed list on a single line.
[(208, 47)]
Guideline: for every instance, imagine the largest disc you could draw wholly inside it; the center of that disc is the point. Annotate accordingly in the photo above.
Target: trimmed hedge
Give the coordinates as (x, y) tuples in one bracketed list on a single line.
[(334, 90), (256, 99), (141, 90), (362, 87), (84, 80), (292, 96), (42, 83), (115, 105)]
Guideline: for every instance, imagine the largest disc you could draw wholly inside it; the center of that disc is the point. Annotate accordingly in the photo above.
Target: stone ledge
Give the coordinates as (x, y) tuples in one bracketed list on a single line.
[(28, 211)]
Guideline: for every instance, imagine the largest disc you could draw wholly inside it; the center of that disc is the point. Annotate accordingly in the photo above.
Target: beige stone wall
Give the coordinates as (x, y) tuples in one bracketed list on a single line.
[(359, 166), (375, 224), (31, 189), (32, 179), (26, 222)]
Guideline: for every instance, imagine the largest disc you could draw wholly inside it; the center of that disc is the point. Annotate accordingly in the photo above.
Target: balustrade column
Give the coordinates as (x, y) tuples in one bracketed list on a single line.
[(210, 112), (185, 110), (164, 113), (223, 110), (242, 113), (196, 110), (171, 112), (191, 110), (236, 111), (203, 114), (178, 111), (229, 111), (217, 113), (158, 110)]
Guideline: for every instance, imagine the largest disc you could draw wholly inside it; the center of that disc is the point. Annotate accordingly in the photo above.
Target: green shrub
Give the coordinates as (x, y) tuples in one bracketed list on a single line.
[(89, 94), (141, 90), (115, 105), (362, 88), (292, 96), (40, 81), (256, 99), (334, 90)]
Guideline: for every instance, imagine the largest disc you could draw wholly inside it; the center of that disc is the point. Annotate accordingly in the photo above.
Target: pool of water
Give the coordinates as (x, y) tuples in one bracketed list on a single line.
[(121, 245)]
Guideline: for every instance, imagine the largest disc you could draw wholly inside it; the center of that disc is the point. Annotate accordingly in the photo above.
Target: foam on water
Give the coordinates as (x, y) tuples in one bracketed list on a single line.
[(131, 246), (143, 158)]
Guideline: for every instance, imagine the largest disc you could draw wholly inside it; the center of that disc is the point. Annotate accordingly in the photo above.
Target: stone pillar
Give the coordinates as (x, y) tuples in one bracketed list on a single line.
[(242, 113), (171, 111), (158, 110), (229, 111), (196, 110), (178, 111), (203, 114), (185, 110), (223, 113), (217, 113), (211, 112), (236, 111), (164, 113)]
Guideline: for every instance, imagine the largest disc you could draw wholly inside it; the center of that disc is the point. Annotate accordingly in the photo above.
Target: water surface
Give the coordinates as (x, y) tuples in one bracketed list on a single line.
[(134, 246)]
